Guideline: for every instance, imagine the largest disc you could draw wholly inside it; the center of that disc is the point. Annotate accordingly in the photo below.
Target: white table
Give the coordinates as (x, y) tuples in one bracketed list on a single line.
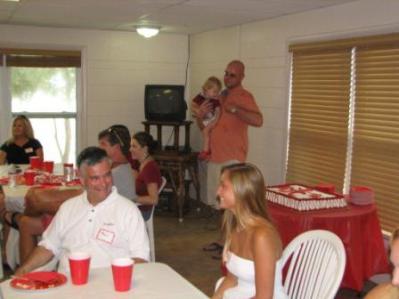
[(15, 196), (150, 281)]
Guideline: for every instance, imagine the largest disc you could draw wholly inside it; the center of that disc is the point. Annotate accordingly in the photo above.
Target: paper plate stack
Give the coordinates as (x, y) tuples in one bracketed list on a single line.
[(361, 195)]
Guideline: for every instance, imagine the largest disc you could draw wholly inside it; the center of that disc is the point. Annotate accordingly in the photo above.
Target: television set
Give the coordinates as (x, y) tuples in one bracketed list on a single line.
[(165, 103)]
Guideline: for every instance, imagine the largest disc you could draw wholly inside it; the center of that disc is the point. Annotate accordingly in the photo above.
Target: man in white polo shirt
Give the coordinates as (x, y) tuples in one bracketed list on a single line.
[(100, 221)]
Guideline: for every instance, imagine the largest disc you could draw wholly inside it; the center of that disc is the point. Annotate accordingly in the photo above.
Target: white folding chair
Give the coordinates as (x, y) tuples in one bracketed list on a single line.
[(1, 261), (316, 263), (150, 225)]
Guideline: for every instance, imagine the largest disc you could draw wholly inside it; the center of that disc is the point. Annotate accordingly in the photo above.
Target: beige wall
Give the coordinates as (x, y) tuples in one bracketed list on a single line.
[(262, 46), (116, 66)]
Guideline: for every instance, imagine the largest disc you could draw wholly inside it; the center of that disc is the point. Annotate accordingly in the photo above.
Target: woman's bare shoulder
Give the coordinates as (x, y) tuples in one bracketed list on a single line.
[(265, 235), (383, 291)]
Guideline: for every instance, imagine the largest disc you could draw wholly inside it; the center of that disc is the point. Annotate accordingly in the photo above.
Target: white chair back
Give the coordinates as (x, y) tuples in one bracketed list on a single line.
[(1, 265), (316, 263), (150, 224)]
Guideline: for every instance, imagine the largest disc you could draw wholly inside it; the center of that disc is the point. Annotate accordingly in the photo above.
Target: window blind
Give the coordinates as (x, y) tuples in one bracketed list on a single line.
[(319, 116), (375, 156), (41, 58)]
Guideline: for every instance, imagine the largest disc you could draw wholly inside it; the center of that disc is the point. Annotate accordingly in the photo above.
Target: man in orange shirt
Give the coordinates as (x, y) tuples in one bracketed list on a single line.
[(229, 137)]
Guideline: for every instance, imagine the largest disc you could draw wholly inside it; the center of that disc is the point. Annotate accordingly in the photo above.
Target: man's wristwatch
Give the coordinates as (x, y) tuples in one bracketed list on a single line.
[(233, 110)]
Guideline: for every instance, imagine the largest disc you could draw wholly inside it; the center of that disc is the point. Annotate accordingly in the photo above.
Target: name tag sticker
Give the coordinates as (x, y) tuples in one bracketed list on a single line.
[(105, 236), (29, 150)]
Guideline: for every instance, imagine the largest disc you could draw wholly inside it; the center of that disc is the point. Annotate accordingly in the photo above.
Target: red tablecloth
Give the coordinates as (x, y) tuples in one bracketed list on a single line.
[(357, 226)]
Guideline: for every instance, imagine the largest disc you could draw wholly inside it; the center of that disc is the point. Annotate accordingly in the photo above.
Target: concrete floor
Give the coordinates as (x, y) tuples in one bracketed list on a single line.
[(180, 246)]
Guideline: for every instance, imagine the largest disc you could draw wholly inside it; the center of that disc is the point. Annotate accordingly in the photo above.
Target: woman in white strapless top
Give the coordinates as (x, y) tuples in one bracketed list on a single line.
[(253, 247)]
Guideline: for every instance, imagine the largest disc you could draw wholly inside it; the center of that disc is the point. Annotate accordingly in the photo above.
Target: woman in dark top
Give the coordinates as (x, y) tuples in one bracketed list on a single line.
[(21, 145), (148, 174)]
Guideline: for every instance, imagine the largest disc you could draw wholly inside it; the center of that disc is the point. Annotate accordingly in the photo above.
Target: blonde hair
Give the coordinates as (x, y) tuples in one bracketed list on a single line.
[(249, 192), (27, 126), (212, 82)]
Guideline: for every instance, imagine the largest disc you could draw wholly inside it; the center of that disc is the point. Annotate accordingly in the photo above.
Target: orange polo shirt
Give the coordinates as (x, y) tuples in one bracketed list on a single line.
[(229, 138)]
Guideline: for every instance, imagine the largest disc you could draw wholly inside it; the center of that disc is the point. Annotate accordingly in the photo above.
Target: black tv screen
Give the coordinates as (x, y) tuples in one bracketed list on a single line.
[(165, 103)]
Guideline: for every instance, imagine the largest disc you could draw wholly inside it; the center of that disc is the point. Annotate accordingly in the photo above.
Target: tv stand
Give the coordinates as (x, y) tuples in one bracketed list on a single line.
[(174, 161), (176, 130)]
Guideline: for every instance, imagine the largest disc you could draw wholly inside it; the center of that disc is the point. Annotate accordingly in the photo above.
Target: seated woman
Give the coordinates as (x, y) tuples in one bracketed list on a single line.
[(22, 144), (253, 247), (148, 175), (389, 290)]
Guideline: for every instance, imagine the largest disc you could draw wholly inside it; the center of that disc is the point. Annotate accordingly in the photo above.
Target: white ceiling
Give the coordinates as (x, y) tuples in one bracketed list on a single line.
[(176, 16)]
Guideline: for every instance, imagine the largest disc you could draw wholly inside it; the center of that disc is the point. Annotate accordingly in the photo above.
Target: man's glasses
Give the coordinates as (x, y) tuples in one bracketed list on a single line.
[(115, 133), (231, 75)]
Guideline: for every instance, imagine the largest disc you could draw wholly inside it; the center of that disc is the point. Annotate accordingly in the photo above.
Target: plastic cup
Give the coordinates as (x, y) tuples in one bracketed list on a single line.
[(79, 264), (29, 176), (325, 187), (122, 271), (35, 162), (68, 172), (48, 166)]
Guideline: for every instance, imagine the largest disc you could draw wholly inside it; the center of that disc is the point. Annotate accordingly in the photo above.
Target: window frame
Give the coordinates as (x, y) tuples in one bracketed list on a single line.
[(46, 58)]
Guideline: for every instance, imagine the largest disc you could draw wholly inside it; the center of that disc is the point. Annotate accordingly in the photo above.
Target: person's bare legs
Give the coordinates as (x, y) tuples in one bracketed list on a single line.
[(6, 228), (39, 201), (29, 229), (205, 153)]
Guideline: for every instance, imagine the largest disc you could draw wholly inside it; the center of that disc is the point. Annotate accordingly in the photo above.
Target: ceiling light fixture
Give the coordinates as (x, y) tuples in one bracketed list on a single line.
[(147, 31)]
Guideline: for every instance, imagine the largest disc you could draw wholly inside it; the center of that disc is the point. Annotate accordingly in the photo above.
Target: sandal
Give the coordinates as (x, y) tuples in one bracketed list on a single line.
[(216, 257), (12, 220), (213, 247)]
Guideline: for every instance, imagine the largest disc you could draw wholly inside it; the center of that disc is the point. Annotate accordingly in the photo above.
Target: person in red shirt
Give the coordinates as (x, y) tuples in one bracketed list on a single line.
[(210, 91), (148, 177)]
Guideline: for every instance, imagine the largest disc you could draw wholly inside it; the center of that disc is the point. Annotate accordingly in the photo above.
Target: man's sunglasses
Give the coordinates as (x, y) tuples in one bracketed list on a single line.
[(231, 75)]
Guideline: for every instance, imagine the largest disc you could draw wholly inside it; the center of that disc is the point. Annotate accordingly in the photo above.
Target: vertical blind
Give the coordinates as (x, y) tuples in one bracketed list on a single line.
[(319, 117)]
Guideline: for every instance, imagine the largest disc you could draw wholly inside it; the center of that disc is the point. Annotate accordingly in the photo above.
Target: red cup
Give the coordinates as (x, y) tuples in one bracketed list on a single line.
[(35, 162), (79, 264), (325, 187), (48, 166), (122, 271), (29, 176)]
